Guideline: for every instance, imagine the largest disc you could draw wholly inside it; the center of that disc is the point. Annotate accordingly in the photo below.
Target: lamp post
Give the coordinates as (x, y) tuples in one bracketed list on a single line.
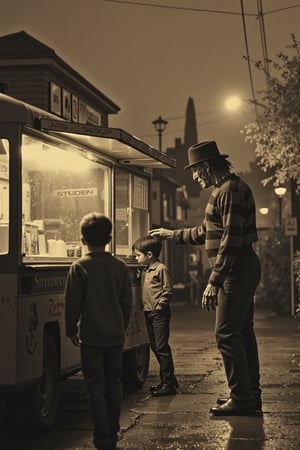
[(160, 126), (280, 191)]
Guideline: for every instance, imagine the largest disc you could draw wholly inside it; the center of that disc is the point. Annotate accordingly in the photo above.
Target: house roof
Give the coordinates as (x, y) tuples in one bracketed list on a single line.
[(19, 47)]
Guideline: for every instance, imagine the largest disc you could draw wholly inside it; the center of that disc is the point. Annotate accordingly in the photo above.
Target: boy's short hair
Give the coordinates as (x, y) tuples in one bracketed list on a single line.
[(148, 243), (96, 229)]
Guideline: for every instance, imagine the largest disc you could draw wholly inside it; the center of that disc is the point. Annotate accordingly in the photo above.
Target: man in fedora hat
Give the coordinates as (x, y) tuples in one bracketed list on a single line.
[(228, 232)]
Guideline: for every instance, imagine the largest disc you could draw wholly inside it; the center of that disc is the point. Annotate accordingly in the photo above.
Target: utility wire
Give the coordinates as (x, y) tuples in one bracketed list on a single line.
[(152, 5), (263, 40), (248, 60), (213, 11), (260, 15), (282, 9)]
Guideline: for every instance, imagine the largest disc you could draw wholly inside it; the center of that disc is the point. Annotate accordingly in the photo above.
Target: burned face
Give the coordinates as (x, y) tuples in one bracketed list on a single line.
[(202, 174)]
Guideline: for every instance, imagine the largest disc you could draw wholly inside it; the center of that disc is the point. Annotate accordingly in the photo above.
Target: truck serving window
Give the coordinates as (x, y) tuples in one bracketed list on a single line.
[(132, 210), (60, 184), (4, 195)]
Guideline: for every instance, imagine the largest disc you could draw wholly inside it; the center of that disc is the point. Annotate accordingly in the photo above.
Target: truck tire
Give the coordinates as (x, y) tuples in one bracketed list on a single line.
[(37, 407), (136, 367)]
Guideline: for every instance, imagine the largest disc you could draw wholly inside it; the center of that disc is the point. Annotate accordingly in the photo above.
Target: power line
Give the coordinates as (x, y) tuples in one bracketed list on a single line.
[(260, 16), (212, 11), (181, 8), (282, 9), (248, 59), (263, 39)]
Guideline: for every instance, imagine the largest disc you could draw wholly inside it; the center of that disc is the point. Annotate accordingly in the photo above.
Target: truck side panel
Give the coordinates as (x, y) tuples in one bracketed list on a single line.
[(8, 328)]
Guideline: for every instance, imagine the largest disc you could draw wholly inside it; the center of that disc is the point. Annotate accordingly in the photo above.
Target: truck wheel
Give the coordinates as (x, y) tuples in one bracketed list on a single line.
[(136, 367), (37, 407)]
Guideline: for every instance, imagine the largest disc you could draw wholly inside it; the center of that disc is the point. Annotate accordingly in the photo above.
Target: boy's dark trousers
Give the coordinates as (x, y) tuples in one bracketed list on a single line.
[(158, 325), (102, 368)]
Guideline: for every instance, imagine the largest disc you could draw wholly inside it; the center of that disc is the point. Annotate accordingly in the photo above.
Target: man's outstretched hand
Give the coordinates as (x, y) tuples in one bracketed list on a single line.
[(162, 233)]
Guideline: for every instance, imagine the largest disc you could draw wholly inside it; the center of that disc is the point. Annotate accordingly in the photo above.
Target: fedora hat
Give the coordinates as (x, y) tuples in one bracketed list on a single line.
[(203, 151)]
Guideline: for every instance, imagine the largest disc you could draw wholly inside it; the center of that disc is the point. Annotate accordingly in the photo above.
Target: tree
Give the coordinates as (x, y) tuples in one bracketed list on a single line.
[(274, 289), (276, 133)]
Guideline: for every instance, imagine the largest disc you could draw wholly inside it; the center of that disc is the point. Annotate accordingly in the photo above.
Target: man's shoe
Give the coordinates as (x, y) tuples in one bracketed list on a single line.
[(164, 391), (234, 407), (155, 388), (256, 399)]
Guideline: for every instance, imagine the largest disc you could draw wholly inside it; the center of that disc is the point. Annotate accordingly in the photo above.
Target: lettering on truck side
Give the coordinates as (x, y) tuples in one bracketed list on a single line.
[(41, 282)]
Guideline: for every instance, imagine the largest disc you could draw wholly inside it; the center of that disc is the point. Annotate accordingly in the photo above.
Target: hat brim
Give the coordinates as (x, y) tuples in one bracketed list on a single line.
[(195, 164)]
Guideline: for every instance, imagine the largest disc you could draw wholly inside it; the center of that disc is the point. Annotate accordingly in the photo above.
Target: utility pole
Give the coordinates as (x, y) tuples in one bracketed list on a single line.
[(263, 40)]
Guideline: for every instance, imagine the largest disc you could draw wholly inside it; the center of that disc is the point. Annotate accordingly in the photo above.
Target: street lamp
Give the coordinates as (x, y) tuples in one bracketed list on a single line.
[(160, 126), (280, 191), (264, 211)]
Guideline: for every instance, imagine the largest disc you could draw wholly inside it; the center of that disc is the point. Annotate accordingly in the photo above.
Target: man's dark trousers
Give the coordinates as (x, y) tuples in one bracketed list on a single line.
[(235, 334)]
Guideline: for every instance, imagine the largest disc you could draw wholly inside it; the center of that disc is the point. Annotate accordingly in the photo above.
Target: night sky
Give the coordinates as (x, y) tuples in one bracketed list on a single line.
[(150, 59)]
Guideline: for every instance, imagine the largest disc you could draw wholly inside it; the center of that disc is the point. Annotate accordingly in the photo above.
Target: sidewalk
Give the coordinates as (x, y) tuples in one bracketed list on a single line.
[(183, 422)]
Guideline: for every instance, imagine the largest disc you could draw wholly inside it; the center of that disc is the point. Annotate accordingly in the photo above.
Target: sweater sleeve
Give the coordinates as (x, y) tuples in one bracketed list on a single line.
[(194, 235), (74, 292)]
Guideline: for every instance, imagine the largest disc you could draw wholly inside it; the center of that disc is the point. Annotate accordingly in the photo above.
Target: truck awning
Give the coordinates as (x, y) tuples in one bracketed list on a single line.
[(114, 143)]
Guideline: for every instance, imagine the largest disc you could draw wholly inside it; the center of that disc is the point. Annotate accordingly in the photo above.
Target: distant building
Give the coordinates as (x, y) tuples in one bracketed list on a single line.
[(179, 151)]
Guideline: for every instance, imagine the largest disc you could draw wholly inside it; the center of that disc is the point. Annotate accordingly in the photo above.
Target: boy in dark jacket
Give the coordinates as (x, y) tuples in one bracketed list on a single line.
[(98, 297), (157, 292)]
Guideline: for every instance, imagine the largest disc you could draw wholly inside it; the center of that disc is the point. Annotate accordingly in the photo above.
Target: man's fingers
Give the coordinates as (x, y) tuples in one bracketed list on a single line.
[(209, 303), (154, 231), (205, 303)]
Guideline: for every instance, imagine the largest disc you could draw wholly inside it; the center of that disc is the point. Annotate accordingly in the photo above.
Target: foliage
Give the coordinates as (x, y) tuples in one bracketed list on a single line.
[(276, 133), (296, 262), (274, 290), (263, 194)]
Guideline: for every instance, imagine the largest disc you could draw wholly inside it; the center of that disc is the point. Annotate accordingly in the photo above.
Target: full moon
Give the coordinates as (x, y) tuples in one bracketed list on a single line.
[(232, 103)]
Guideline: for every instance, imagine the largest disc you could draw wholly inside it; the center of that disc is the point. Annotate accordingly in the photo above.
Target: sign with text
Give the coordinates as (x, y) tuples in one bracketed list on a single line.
[(80, 192), (55, 99), (291, 226)]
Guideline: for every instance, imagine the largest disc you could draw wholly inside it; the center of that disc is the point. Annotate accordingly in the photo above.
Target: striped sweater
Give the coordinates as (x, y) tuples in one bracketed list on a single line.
[(229, 224)]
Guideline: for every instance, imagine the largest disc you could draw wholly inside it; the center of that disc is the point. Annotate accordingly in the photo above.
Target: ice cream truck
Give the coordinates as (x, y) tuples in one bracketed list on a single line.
[(52, 172)]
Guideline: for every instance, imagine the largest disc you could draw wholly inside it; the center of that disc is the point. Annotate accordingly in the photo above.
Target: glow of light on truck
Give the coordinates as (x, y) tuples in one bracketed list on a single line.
[(51, 158)]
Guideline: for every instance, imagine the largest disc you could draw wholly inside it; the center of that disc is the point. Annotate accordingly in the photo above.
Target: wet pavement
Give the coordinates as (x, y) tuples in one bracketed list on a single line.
[(182, 421)]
